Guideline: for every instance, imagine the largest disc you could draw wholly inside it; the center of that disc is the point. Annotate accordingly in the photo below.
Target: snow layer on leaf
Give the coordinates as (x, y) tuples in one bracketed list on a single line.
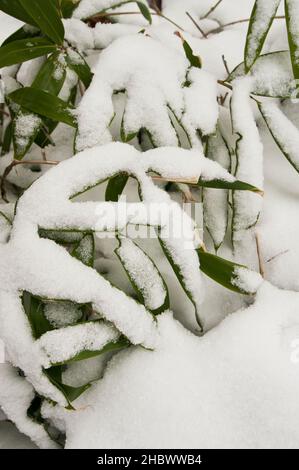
[(64, 344), (26, 125), (264, 12), (201, 107), (106, 33), (16, 395), (61, 314), (249, 152), (216, 200), (143, 273), (153, 77), (222, 390), (247, 280)]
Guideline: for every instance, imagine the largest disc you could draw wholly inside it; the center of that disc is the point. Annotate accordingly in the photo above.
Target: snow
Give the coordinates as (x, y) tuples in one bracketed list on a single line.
[(16, 395), (237, 384), (221, 391)]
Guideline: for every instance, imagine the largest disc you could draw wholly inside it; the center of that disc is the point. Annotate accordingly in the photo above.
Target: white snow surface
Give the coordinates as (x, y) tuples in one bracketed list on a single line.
[(219, 391)]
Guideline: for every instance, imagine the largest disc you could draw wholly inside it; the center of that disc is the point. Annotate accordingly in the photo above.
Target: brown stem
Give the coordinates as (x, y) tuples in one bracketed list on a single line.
[(259, 255), (196, 24)]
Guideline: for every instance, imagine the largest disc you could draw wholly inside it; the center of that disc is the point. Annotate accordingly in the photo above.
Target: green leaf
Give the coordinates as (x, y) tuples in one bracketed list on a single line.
[(45, 15), (283, 131), (279, 83), (183, 282), (7, 139), (262, 17), (34, 310), (15, 9), (291, 13), (222, 271), (23, 33), (79, 65), (44, 104), (85, 250), (110, 347), (50, 78), (23, 50), (115, 187), (54, 374), (145, 11), (234, 185), (139, 283), (194, 60)]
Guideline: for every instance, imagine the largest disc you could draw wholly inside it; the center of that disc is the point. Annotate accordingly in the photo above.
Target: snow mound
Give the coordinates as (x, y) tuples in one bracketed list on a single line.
[(223, 390)]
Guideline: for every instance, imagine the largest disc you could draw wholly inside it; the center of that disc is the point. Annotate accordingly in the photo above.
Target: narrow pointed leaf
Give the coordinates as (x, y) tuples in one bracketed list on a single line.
[(234, 185), (24, 49), (262, 17), (85, 250), (115, 187), (144, 276), (227, 274), (15, 9), (283, 131), (292, 18), (45, 15), (180, 277), (44, 104), (77, 63), (54, 374), (50, 78), (215, 202), (145, 11), (34, 310)]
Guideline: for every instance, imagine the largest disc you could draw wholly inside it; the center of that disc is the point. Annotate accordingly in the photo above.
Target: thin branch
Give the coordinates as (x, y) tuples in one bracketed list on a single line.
[(105, 14), (14, 163), (245, 20), (259, 255), (211, 9), (225, 64), (196, 24), (276, 256)]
